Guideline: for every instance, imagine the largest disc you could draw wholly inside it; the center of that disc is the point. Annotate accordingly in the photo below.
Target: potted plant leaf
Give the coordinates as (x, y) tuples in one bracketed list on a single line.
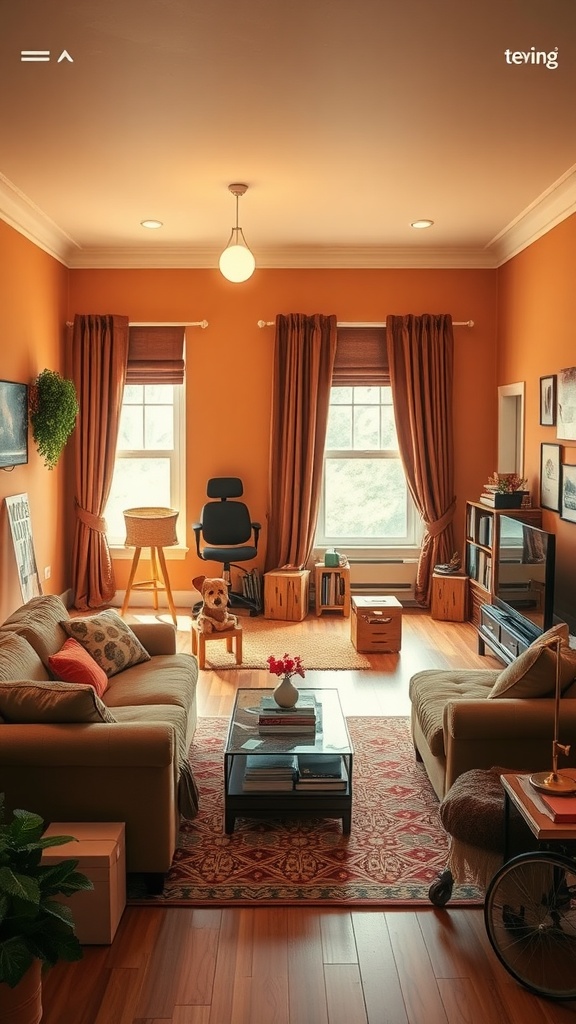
[(35, 928), (53, 412)]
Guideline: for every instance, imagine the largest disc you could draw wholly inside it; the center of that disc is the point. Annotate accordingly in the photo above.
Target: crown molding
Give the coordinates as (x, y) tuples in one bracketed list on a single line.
[(556, 204), (28, 219), (307, 257)]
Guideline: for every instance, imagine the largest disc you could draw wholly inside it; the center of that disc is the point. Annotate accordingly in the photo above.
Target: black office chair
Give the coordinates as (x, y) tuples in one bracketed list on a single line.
[(225, 528)]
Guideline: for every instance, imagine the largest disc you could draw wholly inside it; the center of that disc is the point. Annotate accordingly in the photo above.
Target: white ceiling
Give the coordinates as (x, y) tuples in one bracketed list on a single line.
[(347, 120)]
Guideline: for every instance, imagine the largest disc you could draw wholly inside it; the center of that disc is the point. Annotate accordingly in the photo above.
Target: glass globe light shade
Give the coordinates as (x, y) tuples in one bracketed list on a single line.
[(237, 263)]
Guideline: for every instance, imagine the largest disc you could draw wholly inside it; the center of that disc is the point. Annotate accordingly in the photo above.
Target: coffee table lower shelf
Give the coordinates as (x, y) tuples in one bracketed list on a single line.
[(293, 803)]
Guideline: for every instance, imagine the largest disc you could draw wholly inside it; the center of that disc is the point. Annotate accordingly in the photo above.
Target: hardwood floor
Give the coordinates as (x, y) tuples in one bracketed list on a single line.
[(305, 966)]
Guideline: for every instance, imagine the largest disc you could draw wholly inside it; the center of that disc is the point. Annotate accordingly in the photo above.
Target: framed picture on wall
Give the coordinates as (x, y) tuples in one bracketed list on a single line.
[(18, 508), (548, 401), (566, 403), (568, 507), (550, 459)]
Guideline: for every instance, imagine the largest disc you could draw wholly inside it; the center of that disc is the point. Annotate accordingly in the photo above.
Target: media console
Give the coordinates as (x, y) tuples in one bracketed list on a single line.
[(502, 634)]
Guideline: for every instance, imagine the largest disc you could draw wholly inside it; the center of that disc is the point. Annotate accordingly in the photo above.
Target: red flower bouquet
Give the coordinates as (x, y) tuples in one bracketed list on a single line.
[(286, 666)]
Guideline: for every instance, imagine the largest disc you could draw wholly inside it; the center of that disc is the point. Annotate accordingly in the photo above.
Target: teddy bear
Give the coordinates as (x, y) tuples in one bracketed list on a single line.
[(214, 616)]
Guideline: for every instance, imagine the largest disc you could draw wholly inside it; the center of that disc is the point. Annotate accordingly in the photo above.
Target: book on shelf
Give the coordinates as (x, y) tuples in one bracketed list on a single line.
[(277, 764), (328, 783), (560, 809), (306, 705), (267, 785), (283, 722), (319, 766), (287, 729)]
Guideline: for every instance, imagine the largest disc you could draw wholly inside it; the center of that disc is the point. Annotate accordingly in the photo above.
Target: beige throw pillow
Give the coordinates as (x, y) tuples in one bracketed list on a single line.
[(35, 703), (533, 673), (108, 639)]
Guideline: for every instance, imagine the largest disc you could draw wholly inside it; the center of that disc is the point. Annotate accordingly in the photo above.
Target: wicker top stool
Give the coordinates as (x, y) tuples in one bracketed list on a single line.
[(153, 528)]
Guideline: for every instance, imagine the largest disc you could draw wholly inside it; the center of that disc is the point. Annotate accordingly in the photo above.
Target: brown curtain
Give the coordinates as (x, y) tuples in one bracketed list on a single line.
[(304, 353), (421, 359), (98, 357)]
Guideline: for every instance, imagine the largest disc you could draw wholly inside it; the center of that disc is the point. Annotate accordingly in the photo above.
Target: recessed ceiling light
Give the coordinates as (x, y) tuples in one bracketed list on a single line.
[(151, 223), (421, 223)]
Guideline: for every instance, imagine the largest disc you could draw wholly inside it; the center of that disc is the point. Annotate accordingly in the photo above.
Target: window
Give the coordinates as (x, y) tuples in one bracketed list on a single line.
[(365, 502), (149, 455)]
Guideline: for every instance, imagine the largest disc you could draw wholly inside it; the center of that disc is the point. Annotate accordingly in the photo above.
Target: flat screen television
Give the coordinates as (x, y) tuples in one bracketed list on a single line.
[(13, 424), (525, 575)]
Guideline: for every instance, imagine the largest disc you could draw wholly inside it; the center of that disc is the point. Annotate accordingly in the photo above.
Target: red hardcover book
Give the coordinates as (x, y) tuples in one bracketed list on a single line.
[(562, 808)]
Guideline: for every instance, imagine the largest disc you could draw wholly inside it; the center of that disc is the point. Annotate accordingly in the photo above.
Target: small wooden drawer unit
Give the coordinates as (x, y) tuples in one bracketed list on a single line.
[(376, 624), (286, 594)]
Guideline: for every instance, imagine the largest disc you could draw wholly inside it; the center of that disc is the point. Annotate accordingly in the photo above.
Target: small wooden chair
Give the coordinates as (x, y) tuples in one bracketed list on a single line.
[(199, 641)]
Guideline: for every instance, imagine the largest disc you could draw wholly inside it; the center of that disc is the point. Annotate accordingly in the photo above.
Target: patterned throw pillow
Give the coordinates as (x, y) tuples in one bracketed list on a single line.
[(108, 640), (73, 664)]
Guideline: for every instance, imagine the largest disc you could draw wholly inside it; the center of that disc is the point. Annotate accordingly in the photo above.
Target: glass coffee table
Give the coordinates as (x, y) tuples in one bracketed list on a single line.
[(331, 737)]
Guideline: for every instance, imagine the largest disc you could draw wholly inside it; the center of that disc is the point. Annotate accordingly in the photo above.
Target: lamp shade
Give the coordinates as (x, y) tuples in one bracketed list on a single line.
[(237, 263)]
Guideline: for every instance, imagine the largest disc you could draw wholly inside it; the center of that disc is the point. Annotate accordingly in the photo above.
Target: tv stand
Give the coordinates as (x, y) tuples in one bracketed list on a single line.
[(505, 637)]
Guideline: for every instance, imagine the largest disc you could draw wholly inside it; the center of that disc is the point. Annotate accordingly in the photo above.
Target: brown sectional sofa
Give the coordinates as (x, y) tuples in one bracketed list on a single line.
[(123, 758), (478, 718)]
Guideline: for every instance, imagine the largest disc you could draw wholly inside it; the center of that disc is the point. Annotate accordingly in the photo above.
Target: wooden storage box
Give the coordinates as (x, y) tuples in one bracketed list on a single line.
[(376, 624), (101, 855), (286, 594), (449, 597)]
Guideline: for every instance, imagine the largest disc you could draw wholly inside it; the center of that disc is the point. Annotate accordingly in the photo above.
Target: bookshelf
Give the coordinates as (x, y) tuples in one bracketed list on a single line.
[(481, 549), (332, 589)]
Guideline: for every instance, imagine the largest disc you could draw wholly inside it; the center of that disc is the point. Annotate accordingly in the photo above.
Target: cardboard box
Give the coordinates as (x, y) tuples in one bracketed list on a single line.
[(101, 855), (376, 624)]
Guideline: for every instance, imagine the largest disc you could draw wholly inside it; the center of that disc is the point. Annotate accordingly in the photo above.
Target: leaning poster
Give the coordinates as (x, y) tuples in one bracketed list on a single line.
[(18, 508)]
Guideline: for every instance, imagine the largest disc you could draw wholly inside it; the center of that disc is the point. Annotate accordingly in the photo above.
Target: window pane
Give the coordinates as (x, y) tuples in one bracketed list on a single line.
[(136, 483), (367, 396), (340, 395), (365, 498), (159, 393), (133, 393), (159, 420), (366, 427), (339, 434), (389, 435), (131, 432)]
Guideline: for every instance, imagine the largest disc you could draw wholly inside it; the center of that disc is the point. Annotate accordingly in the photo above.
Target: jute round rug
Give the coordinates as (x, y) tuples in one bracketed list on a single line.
[(397, 846), (323, 648)]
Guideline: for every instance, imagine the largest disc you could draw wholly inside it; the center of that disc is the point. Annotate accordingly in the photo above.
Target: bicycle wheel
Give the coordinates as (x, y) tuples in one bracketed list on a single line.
[(530, 916)]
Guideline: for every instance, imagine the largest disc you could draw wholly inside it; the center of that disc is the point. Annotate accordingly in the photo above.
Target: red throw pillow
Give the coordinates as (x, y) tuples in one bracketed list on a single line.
[(73, 664)]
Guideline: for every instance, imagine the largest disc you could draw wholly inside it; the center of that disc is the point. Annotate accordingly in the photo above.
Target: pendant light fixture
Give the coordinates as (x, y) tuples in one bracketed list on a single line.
[(237, 262)]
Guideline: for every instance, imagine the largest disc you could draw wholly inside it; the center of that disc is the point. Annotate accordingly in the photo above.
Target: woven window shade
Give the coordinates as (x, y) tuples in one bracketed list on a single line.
[(361, 358), (155, 355)]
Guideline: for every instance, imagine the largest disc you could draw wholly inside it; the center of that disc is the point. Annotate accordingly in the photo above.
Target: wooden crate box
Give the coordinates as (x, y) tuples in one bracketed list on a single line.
[(286, 594)]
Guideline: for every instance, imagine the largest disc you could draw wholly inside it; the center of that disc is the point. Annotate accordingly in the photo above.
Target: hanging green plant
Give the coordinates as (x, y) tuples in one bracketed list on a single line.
[(53, 412)]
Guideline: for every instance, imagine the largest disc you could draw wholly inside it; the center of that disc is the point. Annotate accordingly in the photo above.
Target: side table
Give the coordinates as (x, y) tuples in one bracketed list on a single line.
[(449, 597)]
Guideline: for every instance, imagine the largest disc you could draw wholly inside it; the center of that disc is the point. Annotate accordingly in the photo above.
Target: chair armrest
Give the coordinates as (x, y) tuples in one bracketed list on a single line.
[(197, 527), (156, 637), (256, 527)]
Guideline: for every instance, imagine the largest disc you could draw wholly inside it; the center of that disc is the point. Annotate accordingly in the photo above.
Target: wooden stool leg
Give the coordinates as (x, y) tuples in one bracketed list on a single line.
[(194, 638), (239, 647), (155, 576), (130, 580), (229, 642), (201, 650), (167, 585)]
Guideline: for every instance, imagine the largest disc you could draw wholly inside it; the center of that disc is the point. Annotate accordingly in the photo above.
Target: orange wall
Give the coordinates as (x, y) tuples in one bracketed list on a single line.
[(33, 296), (229, 365), (536, 317)]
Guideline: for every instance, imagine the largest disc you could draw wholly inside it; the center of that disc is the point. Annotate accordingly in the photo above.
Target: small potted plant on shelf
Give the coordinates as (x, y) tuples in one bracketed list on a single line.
[(53, 412), (35, 928), (508, 489)]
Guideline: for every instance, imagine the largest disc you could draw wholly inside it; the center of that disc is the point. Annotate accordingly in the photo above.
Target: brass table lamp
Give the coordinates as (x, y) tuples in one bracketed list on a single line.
[(553, 782)]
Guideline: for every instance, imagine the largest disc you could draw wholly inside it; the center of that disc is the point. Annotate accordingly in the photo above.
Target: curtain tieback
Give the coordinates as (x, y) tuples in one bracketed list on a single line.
[(439, 525), (93, 522)]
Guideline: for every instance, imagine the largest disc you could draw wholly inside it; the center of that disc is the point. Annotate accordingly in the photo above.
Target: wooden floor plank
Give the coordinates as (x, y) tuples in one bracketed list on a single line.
[(378, 969), (269, 994), (419, 987), (344, 994), (338, 942), (306, 983)]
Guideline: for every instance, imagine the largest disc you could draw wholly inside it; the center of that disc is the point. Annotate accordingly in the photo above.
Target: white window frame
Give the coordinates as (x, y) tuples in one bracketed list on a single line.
[(365, 546), (177, 457)]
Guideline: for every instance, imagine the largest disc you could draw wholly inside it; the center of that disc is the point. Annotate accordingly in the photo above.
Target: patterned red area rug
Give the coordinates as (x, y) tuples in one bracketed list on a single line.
[(396, 848)]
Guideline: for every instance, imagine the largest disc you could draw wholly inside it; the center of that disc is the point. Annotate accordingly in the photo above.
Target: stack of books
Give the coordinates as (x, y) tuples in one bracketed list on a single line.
[(276, 772), (496, 499), (286, 721), (321, 771)]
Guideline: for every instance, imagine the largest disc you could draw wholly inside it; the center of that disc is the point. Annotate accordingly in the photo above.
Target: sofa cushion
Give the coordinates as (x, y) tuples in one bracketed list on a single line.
[(38, 621), (73, 664), (431, 689), (33, 702), (18, 660), (533, 673), (166, 679), (108, 639)]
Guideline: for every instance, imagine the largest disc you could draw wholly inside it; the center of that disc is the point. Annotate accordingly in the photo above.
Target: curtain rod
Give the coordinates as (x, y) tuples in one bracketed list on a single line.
[(456, 323), (156, 323)]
